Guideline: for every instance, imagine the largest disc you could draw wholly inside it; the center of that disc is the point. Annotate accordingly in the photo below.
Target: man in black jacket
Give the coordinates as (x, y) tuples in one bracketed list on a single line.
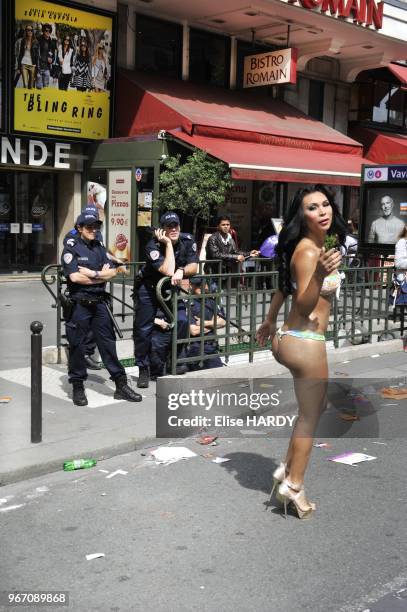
[(222, 247)]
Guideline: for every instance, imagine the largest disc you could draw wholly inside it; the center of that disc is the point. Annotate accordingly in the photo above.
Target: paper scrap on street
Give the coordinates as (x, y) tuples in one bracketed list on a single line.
[(351, 458), (375, 355), (5, 399), (94, 556), (206, 439), (322, 445), (341, 374), (166, 455), (220, 460)]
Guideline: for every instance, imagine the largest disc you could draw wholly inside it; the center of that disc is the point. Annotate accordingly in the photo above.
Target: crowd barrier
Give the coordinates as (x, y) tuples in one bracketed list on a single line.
[(362, 312)]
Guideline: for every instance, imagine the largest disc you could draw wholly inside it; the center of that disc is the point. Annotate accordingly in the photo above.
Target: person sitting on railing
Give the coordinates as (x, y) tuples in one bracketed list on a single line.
[(168, 253), (160, 345), (214, 318)]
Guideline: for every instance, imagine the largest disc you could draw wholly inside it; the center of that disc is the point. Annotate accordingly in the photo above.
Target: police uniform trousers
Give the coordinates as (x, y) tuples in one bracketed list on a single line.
[(159, 351), (147, 306), (210, 348), (92, 317)]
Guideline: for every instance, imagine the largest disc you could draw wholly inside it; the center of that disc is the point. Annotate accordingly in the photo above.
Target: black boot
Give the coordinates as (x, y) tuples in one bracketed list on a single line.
[(78, 394), (124, 392), (143, 378)]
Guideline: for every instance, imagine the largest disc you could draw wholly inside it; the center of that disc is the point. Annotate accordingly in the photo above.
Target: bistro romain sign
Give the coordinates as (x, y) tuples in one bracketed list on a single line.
[(363, 12), (272, 68), (36, 153)]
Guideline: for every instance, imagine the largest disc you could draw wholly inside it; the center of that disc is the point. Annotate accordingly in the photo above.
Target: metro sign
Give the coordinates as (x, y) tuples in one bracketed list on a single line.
[(363, 12)]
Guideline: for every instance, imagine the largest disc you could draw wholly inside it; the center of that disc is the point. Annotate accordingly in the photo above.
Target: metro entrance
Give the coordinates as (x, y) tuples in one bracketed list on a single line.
[(27, 220)]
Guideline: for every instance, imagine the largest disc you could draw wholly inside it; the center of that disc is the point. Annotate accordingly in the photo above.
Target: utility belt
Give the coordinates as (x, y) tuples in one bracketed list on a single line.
[(92, 299)]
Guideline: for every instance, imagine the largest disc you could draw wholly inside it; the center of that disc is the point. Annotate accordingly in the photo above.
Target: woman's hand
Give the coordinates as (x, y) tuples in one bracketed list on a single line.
[(266, 331), (328, 262)]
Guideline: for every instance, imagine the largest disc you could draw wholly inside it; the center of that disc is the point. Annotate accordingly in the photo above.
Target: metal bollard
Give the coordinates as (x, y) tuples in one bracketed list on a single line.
[(36, 381)]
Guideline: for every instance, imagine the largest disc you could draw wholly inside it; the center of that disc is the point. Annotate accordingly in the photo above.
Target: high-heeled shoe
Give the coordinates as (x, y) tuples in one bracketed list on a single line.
[(278, 476), (295, 494)]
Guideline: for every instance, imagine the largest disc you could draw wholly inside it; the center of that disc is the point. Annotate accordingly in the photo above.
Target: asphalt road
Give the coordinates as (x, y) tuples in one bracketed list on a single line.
[(20, 304), (200, 536)]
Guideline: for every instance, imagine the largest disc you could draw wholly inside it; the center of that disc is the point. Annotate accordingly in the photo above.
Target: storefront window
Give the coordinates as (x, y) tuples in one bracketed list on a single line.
[(145, 190), (158, 46), (27, 221), (209, 58), (397, 105)]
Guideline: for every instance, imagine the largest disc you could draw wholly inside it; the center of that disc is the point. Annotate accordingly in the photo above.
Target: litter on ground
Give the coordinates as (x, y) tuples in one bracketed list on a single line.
[(220, 460), (167, 455), (94, 556), (351, 458), (206, 439)]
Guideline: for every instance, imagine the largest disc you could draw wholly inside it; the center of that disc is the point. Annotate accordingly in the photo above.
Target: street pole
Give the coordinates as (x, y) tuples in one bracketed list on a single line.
[(36, 381)]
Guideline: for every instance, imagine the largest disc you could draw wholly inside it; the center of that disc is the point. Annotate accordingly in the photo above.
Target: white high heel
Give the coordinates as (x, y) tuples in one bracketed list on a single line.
[(295, 494), (278, 476)]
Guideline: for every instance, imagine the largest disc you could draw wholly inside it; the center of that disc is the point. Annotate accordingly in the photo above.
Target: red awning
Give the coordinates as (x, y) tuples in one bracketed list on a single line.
[(147, 104), (399, 71), (259, 137), (253, 161), (382, 147)]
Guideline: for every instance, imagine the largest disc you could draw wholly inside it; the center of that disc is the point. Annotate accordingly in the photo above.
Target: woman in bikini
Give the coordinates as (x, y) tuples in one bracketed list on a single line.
[(310, 274)]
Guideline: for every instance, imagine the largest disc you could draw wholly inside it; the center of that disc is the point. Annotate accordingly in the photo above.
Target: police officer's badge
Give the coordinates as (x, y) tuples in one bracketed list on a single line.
[(68, 257), (154, 255)]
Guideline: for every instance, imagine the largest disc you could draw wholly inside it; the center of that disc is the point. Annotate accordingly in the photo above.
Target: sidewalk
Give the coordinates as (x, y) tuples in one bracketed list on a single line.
[(107, 427)]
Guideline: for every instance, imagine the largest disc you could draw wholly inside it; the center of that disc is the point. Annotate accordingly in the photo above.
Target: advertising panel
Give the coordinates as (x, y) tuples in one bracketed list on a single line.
[(2, 63), (62, 70), (119, 212), (384, 210)]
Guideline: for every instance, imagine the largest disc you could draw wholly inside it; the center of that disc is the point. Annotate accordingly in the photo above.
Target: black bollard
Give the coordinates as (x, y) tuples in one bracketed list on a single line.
[(36, 381)]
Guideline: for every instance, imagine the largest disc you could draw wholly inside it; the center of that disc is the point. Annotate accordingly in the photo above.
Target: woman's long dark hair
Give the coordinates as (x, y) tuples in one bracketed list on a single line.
[(293, 231)]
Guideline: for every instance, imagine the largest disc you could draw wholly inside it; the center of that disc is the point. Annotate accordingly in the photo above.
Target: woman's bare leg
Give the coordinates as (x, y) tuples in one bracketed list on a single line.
[(307, 362)]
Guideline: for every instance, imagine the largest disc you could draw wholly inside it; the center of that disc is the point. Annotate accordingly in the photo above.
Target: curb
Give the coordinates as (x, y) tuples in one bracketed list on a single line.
[(55, 465)]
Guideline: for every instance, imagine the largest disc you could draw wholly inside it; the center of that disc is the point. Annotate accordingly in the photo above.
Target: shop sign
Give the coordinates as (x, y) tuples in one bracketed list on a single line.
[(273, 68), (36, 154), (386, 173), (70, 93), (119, 200), (363, 12)]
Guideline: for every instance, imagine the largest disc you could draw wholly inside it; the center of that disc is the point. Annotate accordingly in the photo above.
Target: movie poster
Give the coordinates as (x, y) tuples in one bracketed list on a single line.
[(62, 70), (385, 214), (2, 49)]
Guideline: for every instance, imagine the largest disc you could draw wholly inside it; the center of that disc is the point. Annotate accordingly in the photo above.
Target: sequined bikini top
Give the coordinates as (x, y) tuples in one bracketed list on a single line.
[(330, 285)]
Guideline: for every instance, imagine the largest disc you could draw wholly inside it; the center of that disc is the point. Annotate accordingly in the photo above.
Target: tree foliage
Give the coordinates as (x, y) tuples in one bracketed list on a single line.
[(194, 187)]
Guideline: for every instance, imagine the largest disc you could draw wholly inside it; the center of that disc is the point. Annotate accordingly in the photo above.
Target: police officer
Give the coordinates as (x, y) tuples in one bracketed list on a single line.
[(87, 269), (168, 253), (70, 241), (214, 318)]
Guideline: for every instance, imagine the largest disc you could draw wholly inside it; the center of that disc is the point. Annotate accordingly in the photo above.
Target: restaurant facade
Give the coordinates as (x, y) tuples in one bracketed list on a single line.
[(284, 93)]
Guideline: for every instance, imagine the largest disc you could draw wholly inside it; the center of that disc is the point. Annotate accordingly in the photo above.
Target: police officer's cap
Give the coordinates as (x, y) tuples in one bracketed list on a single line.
[(168, 218), (88, 218), (197, 281)]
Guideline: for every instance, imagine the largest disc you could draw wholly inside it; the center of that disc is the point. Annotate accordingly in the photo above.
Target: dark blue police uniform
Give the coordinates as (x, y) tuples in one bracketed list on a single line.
[(160, 346), (210, 346), (70, 241), (90, 311), (185, 252)]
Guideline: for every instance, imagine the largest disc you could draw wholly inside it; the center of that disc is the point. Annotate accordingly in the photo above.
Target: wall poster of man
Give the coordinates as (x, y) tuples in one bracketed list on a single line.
[(62, 70), (385, 213)]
